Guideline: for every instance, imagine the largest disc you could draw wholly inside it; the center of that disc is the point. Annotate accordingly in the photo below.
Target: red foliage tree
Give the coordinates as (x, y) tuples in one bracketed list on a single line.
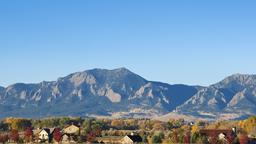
[(3, 138), (187, 138), (243, 139), (213, 137), (28, 134), (91, 137), (57, 134), (175, 137), (14, 135), (97, 132), (230, 139)]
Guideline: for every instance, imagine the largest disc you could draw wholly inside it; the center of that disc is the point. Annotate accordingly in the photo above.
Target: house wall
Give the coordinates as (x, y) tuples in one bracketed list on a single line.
[(43, 135), (71, 129), (126, 140)]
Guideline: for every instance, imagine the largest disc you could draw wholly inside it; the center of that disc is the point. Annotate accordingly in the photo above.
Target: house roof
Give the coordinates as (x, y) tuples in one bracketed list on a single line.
[(45, 129), (36, 131), (135, 138), (51, 130), (48, 130), (71, 125)]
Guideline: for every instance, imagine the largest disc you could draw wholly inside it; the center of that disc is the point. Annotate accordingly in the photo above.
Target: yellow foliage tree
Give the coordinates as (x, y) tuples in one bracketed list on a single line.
[(195, 129), (18, 123), (249, 125)]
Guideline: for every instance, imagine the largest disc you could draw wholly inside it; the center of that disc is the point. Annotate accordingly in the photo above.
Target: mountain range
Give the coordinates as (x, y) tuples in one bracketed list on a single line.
[(122, 93)]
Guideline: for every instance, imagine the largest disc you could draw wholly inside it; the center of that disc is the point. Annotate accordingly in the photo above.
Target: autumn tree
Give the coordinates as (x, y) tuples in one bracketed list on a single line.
[(158, 126), (145, 124), (195, 129), (13, 122), (187, 138), (3, 138), (174, 137), (57, 134), (14, 135), (118, 124), (243, 138), (18, 123), (249, 125), (173, 123), (92, 125), (90, 137), (96, 128), (28, 134)]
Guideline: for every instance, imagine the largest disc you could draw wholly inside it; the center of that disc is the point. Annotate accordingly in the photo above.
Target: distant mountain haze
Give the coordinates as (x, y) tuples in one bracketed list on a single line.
[(120, 93)]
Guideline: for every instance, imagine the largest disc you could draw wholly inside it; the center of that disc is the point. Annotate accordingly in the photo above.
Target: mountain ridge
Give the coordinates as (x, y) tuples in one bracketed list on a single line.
[(114, 91), (227, 97), (122, 93)]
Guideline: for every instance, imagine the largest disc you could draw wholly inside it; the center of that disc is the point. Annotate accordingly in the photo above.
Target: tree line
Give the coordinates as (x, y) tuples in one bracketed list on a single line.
[(152, 131)]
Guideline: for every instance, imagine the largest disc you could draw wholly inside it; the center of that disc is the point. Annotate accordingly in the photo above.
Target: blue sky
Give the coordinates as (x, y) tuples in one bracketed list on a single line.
[(173, 41)]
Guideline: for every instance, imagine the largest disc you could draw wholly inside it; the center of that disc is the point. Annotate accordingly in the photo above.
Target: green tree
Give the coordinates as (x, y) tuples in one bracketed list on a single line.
[(87, 126), (158, 137), (3, 126), (64, 121)]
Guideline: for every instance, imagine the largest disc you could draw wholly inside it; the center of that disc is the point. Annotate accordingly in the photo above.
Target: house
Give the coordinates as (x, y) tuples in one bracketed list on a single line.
[(218, 134), (70, 134), (128, 139), (72, 130), (36, 135), (68, 138), (131, 139), (222, 136), (45, 135), (36, 132)]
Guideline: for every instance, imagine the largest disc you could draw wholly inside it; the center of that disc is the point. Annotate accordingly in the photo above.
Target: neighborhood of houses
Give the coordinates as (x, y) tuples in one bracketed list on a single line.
[(71, 133), (126, 131)]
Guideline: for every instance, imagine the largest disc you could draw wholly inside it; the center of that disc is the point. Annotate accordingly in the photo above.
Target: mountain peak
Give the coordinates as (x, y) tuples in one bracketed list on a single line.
[(239, 79), (239, 75), (121, 69), (119, 91)]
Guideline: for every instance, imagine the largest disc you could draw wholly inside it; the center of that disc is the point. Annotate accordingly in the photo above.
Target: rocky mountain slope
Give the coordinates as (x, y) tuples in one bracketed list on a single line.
[(122, 93), (96, 92), (233, 97)]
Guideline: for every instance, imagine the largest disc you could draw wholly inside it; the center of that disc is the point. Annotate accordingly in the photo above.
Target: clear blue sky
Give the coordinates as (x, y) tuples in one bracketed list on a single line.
[(173, 41)]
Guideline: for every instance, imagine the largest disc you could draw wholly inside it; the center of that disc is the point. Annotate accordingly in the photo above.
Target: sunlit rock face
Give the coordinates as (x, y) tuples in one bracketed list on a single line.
[(235, 94), (94, 92), (122, 93)]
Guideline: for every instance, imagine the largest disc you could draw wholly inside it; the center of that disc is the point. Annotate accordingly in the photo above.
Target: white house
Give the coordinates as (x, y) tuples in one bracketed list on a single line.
[(44, 135)]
